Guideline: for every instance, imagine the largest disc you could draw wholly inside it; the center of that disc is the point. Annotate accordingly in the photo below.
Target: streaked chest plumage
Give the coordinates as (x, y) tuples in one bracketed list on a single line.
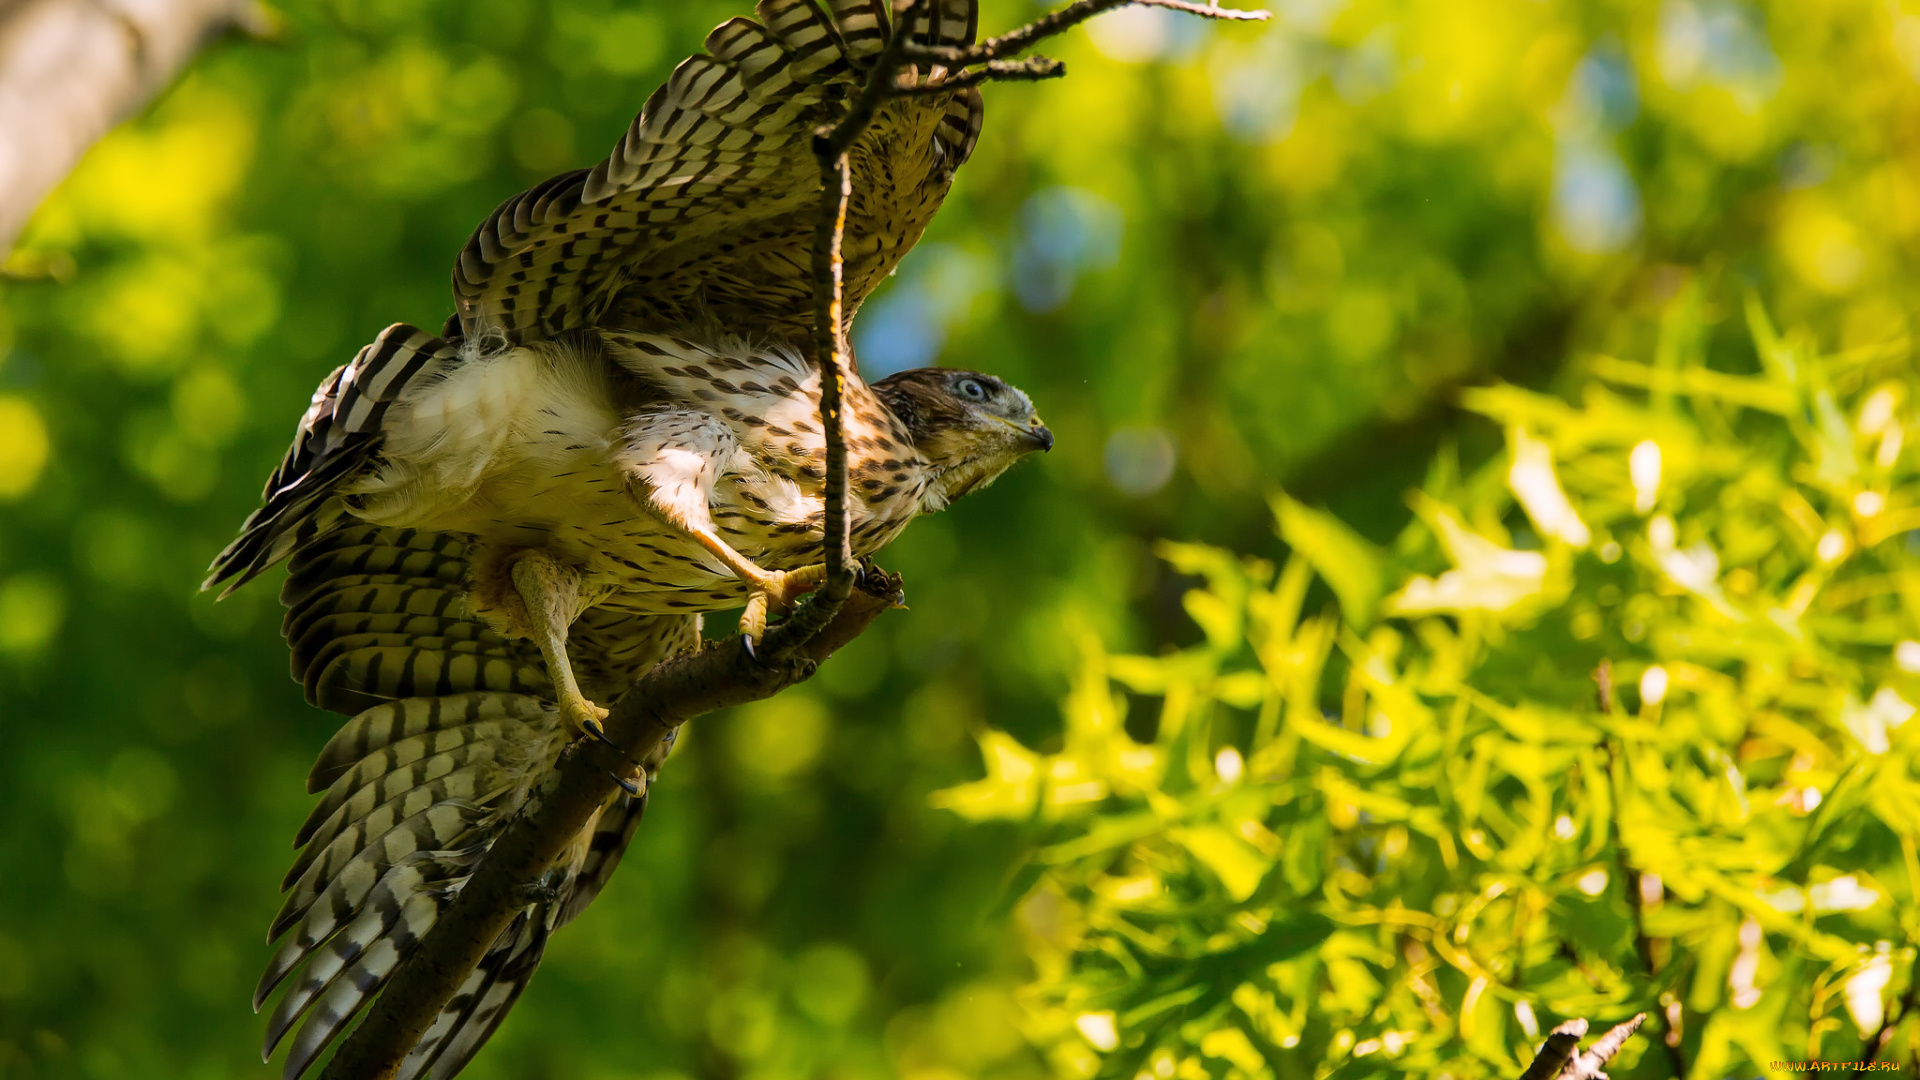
[(535, 447)]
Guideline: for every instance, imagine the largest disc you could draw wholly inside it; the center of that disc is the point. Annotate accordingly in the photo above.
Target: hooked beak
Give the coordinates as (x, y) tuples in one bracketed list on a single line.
[(1035, 433)]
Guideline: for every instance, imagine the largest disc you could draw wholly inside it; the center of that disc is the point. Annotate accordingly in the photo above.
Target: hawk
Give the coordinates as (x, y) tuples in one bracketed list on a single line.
[(617, 431)]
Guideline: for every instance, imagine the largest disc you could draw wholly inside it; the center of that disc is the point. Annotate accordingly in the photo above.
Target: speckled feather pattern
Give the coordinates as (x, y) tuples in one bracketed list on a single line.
[(533, 447)]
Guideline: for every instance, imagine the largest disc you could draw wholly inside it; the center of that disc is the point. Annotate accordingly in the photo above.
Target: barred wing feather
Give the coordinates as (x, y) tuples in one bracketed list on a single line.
[(706, 208)]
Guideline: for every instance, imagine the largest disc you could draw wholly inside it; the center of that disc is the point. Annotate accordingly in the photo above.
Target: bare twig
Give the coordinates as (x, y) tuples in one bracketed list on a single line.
[(1590, 1062), (72, 69), (1557, 1059), (1055, 23), (830, 147)]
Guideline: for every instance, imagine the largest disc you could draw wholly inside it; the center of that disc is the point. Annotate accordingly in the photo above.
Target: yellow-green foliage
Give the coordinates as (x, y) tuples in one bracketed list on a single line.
[(1222, 258), (1405, 832)]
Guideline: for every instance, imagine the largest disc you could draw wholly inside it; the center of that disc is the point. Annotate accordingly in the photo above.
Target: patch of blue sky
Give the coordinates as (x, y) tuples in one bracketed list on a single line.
[(1062, 232), (1603, 94), (906, 324), (1721, 42), (1596, 205), (1139, 35)]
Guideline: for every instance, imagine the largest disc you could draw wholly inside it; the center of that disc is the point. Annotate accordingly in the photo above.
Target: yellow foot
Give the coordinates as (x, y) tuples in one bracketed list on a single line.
[(583, 717), (777, 592)]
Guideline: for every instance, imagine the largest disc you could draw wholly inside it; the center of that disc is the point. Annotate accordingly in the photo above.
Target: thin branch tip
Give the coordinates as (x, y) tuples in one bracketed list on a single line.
[(1054, 23), (1560, 1056), (1209, 11)]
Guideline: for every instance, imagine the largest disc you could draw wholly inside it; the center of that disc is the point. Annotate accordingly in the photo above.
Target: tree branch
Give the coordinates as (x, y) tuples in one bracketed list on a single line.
[(830, 145), (1032, 69), (1557, 1059), (72, 69), (1557, 1051)]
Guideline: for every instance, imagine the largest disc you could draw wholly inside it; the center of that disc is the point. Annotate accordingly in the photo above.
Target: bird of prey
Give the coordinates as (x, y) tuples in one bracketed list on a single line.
[(616, 431)]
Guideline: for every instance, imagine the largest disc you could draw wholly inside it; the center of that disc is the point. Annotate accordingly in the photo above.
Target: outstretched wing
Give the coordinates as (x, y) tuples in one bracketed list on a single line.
[(706, 207), (452, 724)]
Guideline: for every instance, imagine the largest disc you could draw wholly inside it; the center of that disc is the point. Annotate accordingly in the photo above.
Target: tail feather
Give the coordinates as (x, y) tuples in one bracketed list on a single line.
[(416, 785), (360, 597), (372, 674), (353, 987), (347, 868), (476, 1009), (400, 767), (471, 784), (318, 640), (330, 952), (429, 665), (375, 730)]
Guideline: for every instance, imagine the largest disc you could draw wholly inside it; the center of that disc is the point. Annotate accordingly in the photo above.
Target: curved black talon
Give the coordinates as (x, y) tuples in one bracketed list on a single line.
[(599, 734), (752, 650), (596, 732)]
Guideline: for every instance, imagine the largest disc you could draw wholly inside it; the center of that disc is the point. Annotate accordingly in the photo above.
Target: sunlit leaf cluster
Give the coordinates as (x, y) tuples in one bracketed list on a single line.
[(1619, 723)]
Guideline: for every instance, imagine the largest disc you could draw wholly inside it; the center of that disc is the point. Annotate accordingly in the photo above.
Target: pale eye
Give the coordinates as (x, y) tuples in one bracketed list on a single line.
[(972, 390)]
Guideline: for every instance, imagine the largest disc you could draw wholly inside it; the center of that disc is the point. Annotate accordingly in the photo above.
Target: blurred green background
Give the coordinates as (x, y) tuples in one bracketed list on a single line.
[(1224, 259)]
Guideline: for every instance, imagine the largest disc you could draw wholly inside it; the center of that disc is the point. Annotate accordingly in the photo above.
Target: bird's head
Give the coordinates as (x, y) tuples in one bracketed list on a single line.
[(970, 427)]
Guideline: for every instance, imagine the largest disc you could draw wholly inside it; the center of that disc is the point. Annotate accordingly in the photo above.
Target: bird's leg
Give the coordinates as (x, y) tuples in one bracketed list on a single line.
[(550, 589), (768, 591), (673, 461)]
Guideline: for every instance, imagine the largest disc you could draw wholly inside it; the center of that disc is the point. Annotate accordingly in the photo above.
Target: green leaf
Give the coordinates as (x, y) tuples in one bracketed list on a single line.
[(1351, 566), (1238, 866)]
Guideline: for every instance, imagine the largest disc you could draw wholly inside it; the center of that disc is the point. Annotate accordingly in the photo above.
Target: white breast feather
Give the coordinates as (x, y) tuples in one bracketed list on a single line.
[(509, 419), (526, 445)]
